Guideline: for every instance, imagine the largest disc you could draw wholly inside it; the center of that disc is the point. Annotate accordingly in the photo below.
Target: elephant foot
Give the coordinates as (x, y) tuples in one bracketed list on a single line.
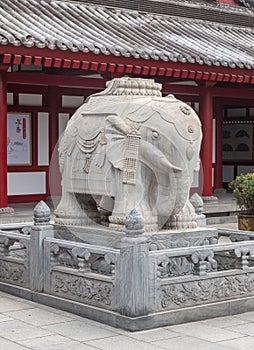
[(73, 219), (185, 219), (116, 223)]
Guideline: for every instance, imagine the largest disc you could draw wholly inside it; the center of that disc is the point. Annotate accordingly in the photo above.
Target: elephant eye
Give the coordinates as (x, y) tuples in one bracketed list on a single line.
[(155, 135)]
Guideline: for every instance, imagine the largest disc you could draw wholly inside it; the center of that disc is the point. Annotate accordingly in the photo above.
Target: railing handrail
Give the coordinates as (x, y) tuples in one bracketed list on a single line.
[(188, 251)]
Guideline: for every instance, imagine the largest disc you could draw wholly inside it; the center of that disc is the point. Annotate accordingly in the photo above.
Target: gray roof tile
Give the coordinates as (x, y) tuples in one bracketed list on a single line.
[(77, 26)]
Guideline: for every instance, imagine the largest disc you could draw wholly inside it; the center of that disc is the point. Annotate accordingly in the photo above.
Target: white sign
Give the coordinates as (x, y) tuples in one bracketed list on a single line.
[(19, 139)]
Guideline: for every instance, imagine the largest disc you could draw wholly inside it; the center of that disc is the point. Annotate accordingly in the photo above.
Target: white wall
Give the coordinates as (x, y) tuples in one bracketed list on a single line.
[(30, 99), (26, 183), (43, 138), (62, 122), (72, 101)]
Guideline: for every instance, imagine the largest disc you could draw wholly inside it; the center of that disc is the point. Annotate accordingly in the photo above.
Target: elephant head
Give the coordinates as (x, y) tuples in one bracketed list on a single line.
[(148, 148)]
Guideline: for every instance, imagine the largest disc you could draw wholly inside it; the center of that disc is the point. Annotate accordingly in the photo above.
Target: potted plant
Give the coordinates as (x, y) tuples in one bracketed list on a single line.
[(243, 191)]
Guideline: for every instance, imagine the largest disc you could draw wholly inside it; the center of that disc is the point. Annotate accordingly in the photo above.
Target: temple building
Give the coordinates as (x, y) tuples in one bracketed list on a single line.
[(55, 53)]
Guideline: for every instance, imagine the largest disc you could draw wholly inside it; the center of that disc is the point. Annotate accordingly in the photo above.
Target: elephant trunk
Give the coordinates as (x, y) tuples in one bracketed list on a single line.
[(167, 193)]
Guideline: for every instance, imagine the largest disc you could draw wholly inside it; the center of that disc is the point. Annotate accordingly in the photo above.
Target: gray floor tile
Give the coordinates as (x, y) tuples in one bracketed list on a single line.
[(247, 316), (8, 304), (71, 345), (78, 330), (188, 343), (154, 334), (18, 330), (245, 329), (206, 332), (242, 343), (225, 322), (8, 345), (53, 342), (122, 342), (38, 317)]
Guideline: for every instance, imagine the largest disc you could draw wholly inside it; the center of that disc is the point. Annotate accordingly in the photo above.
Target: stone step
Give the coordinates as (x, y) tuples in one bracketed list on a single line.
[(221, 219)]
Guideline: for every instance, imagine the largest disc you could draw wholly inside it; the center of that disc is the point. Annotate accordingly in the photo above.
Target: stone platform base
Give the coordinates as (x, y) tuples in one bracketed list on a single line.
[(164, 239), (155, 320)]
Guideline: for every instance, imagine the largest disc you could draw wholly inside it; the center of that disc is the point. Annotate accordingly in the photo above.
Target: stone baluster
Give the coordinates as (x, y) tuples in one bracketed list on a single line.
[(198, 205), (40, 231), (83, 256), (243, 254), (204, 262), (133, 285)]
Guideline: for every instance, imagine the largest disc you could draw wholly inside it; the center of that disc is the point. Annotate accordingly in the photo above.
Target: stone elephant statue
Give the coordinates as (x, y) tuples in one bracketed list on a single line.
[(134, 149)]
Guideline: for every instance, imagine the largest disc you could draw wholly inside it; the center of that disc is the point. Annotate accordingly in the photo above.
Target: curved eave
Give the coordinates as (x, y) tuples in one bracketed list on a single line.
[(109, 63)]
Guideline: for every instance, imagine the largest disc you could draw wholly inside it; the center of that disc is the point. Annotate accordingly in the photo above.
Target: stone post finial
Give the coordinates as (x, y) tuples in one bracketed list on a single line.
[(41, 214), (134, 223), (197, 203)]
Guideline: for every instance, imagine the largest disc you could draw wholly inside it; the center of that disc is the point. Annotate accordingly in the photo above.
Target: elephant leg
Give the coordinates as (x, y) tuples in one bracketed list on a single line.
[(89, 206), (106, 205), (132, 196), (71, 211)]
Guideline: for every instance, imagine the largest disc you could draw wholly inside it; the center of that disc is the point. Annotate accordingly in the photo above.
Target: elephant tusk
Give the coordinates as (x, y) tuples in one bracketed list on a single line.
[(154, 158), (165, 163)]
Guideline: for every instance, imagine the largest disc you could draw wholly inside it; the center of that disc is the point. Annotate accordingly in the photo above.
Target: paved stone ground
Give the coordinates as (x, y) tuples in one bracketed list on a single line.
[(28, 325)]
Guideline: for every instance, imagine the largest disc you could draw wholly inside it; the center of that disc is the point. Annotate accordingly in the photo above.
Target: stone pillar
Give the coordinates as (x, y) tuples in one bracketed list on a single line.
[(206, 154), (134, 251), (40, 231), (198, 205)]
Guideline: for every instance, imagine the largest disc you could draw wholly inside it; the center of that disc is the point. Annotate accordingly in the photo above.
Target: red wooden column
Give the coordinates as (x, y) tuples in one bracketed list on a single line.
[(206, 117), (219, 136), (53, 97), (3, 141), (54, 175)]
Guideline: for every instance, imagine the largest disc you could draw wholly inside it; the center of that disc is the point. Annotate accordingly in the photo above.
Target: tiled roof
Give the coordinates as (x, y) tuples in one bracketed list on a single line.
[(82, 27)]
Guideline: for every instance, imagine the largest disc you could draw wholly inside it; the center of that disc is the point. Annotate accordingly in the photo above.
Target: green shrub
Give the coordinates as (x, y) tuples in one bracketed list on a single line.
[(243, 191)]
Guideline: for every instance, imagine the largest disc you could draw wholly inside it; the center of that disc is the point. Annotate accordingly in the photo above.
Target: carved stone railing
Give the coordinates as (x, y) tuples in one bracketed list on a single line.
[(81, 272), (24, 228), (203, 281), (236, 235), (15, 258)]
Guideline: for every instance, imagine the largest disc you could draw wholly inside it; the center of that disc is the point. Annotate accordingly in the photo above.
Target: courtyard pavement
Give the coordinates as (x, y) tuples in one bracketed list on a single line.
[(28, 325)]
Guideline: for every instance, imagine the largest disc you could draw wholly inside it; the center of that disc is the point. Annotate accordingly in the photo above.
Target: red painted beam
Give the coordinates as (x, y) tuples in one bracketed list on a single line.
[(47, 61), (128, 68), (94, 65), (27, 60), (153, 71), (169, 72), (66, 63), (91, 83), (54, 80), (37, 60), (120, 68), (75, 64)]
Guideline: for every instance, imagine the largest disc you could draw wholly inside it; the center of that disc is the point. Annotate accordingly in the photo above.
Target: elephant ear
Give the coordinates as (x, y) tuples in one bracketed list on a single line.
[(141, 113), (115, 132)]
